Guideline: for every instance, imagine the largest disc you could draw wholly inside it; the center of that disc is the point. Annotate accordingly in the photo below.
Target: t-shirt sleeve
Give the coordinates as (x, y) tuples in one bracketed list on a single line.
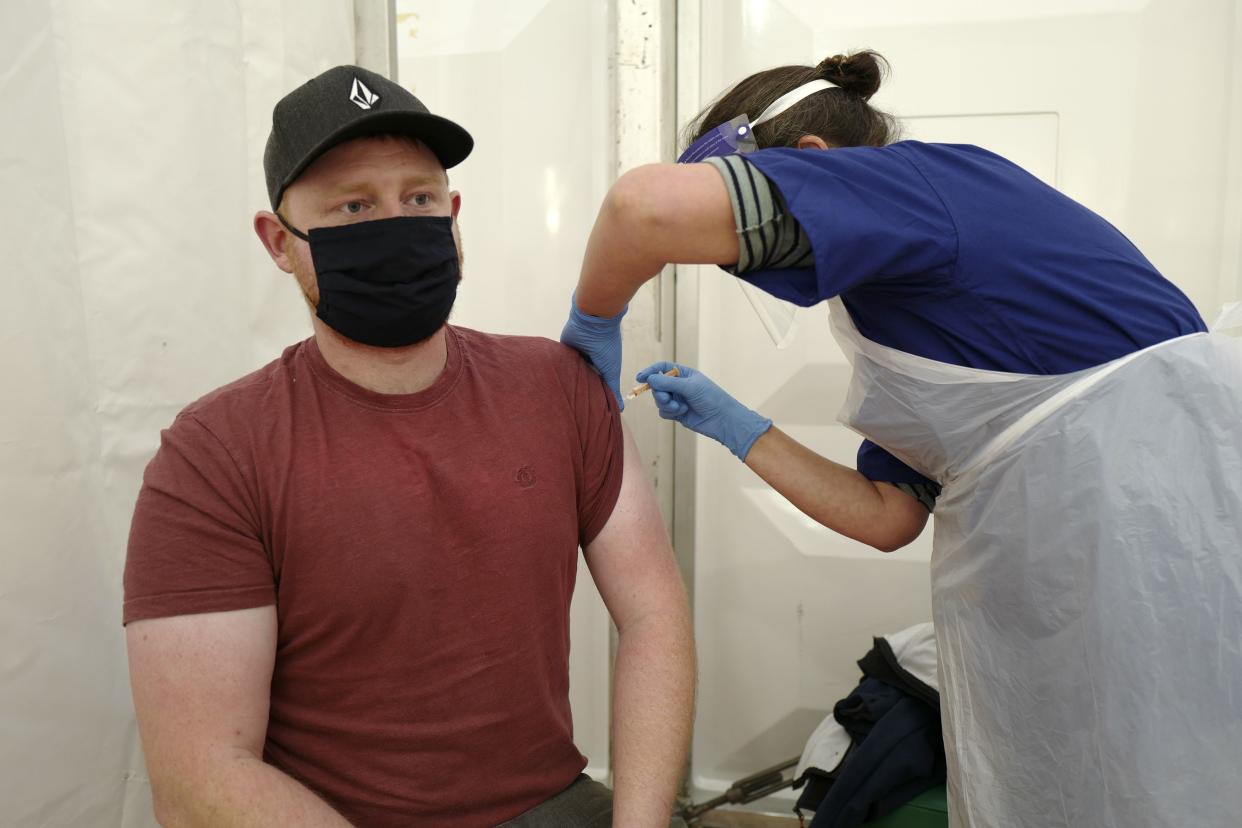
[(598, 419), (768, 237), (869, 213), (194, 544), (876, 464)]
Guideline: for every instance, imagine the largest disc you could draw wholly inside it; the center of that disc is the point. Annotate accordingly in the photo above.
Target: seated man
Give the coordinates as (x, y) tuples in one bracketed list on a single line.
[(349, 574)]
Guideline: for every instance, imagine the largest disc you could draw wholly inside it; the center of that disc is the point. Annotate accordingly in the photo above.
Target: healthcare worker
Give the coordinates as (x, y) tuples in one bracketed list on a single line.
[(1020, 368)]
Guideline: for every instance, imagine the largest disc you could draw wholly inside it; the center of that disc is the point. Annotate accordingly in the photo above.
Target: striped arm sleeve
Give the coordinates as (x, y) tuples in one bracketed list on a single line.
[(768, 236), (925, 493)]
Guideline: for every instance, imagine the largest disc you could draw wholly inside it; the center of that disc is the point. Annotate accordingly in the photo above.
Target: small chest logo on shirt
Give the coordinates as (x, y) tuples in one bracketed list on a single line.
[(525, 477)]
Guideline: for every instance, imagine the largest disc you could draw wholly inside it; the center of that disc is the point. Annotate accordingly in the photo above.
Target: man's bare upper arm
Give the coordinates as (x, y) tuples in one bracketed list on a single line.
[(631, 559), (202, 687)]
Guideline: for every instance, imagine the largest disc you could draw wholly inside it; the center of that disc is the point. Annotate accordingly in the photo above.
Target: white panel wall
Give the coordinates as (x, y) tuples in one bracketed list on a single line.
[(1131, 107), (130, 160)]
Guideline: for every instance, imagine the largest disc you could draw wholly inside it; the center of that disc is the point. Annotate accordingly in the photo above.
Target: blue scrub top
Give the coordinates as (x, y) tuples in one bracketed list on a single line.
[(953, 253)]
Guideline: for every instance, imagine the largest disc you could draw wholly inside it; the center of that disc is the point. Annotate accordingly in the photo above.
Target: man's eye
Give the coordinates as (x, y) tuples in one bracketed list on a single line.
[(421, 200), (353, 208)]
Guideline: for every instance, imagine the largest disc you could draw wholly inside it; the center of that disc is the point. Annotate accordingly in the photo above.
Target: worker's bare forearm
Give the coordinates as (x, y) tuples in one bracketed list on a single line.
[(239, 792), (836, 496), (653, 708)]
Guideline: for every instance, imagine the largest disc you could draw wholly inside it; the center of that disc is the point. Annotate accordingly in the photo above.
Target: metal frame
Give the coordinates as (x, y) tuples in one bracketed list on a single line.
[(662, 320), (375, 36), (643, 72), (686, 302)]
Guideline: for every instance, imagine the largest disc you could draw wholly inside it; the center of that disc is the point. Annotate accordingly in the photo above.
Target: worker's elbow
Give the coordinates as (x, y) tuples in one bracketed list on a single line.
[(891, 543), (904, 532), (899, 520), (632, 204), (902, 522)]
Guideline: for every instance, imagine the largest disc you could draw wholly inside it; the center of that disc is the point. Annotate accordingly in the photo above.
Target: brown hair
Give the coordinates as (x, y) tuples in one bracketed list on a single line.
[(841, 116)]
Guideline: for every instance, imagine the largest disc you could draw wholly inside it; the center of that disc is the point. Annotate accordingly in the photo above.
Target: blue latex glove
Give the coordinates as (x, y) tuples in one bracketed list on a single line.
[(599, 340), (703, 406)]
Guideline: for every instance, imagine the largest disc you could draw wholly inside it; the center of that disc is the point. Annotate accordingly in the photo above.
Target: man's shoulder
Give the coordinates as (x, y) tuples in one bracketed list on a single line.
[(248, 398), (535, 352), (534, 367)]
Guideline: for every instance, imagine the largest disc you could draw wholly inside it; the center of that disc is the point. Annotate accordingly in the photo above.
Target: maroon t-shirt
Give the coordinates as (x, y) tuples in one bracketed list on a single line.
[(420, 550)]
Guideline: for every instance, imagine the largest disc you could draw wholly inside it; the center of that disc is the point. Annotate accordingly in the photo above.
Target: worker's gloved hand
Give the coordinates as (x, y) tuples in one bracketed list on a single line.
[(599, 340), (700, 405)]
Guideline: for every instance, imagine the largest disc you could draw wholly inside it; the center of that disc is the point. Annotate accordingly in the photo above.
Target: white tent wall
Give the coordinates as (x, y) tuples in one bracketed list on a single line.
[(130, 162)]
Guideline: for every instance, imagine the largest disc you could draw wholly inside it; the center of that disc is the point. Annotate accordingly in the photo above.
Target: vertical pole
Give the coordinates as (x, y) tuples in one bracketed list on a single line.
[(375, 36), (685, 296), (645, 114), (644, 102)]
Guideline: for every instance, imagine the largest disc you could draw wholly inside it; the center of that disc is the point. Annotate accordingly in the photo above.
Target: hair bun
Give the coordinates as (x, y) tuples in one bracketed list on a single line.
[(858, 74)]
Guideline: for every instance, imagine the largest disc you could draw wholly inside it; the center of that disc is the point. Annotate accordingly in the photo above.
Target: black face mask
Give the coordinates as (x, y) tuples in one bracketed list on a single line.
[(389, 282)]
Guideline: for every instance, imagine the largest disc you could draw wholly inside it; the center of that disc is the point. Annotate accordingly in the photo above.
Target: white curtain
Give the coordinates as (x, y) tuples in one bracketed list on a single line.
[(131, 140)]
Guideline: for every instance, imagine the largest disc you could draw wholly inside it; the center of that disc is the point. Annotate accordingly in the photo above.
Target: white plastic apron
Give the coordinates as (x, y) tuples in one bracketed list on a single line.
[(1086, 578)]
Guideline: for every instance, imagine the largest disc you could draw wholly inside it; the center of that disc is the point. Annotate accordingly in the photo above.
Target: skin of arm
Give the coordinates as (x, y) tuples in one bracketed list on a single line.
[(632, 563), (201, 686), (652, 216), (877, 514)]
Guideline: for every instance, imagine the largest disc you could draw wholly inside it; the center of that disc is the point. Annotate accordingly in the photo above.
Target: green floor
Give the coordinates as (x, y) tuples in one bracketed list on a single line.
[(927, 810)]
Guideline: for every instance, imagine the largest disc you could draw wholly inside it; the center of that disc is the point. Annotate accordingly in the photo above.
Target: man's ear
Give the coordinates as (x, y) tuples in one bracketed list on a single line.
[(273, 236), (812, 142), (455, 199)]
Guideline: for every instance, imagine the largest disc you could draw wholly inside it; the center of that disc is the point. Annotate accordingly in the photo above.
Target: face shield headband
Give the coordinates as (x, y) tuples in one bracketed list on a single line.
[(737, 135)]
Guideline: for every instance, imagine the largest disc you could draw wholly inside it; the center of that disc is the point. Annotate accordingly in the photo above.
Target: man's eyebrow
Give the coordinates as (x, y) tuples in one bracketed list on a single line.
[(434, 179), (354, 188)]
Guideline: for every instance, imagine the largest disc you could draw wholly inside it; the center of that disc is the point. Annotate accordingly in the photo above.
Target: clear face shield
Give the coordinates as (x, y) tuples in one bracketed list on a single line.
[(779, 318)]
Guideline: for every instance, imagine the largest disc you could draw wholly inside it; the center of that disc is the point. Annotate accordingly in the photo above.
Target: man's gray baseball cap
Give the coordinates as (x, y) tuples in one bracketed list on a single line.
[(349, 102)]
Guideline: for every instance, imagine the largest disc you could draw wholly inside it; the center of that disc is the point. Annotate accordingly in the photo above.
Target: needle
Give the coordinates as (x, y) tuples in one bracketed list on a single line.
[(638, 389)]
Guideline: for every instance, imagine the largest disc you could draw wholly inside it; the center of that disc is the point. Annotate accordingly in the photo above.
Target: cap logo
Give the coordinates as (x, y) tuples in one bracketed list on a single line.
[(362, 96)]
